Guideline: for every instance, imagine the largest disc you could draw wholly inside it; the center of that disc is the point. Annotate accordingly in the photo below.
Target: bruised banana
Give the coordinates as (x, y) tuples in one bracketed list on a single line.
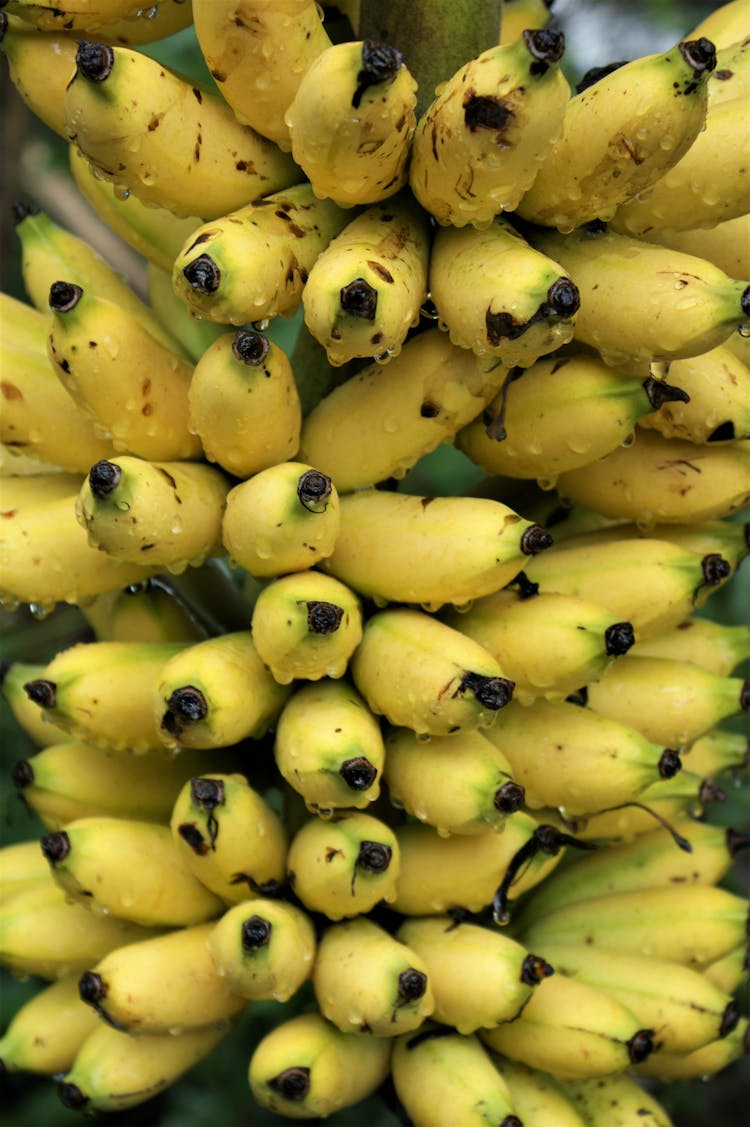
[(263, 949), (45, 1034), (718, 408), (618, 1100)]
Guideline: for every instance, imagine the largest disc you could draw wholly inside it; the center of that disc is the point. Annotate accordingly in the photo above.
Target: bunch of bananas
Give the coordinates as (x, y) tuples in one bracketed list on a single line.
[(319, 739)]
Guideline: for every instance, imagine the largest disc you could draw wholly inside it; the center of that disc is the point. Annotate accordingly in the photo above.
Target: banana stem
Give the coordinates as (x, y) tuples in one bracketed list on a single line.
[(436, 37)]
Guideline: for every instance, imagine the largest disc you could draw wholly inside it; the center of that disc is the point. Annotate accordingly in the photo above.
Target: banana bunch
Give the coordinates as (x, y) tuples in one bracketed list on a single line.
[(426, 763)]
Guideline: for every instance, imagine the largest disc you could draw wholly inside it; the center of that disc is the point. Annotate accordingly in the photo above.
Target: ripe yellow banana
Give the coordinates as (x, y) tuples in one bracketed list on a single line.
[(243, 403), (517, 15), (727, 245), (45, 1034), (481, 142), (33, 722), (263, 949), (725, 24), (22, 866), (478, 976), (146, 612), (702, 1063), (618, 1100), (257, 52), (351, 122), (229, 837), (305, 1068), (729, 972), (366, 289), (537, 1097), (345, 865), (368, 981), (178, 145), (75, 15), (253, 263), (718, 407), (718, 751), (24, 325), (30, 55)]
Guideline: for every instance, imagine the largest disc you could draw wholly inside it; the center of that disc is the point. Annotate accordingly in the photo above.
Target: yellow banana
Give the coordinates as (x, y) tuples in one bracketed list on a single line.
[(572, 1029), (45, 1034), (718, 407), (195, 334), (481, 142), (329, 748), (499, 296), (422, 674), (537, 1097), (381, 421), (518, 15), (133, 388), (345, 865), (617, 1100), (229, 837), (253, 263), (285, 518), (702, 1063), (144, 612), (179, 146), (370, 982), (727, 245), (101, 692), (621, 134), (718, 751), (30, 55), (114, 1071), (165, 512), (244, 404), (263, 949), (24, 326), (442, 1076), (76, 15), (215, 693), (22, 866), (33, 722), (478, 976), (166, 984), (257, 52), (306, 1068), (351, 122), (366, 289), (422, 779), (729, 972), (306, 626), (725, 24)]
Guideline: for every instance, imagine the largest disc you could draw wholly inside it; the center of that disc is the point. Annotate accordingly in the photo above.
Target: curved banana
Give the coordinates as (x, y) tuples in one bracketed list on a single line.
[(243, 403), (22, 866), (481, 142), (701, 1063), (729, 972), (179, 146), (381, 421), (30, 55), (718, 751), (32, 721), (718, 408), (537, 1097), (727, 245), (25, 327), (228, 836), (329, 748), (619, 1099), (45, 1034), (351, 122), (263, 949)]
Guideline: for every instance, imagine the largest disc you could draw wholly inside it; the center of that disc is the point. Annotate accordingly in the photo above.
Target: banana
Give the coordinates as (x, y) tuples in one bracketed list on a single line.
[(229, 837), (727, 245), (422, 779), (478, 977), (101, 692), (30, 55), (367, 981), (441, 1076), (45, 1034), (623, 282), (25, 491), (165, 512), (345, 865), (195, 334), (24, 326), (381, 421), (133, 389), (178, 146), (257, 53), (22, 866), (729, 972), (499, 296), (702, 1063), (537, 1096), (34, 723), (244, 404), (718, 751), (548, 644), (517, 15), (480, 143), (114, 1071), (216, 693), (571, 1029), (263, 949), (306, 626), (352, 120), (77, 15), (677, 1003), (329, 748), (44, 934), (166, 984), (366, 289), (561, 413), (650, 922), (618, 1100), (621, 134), (305, 1068), (422, 674), (725, 24), (284, 518), (718, 407), (669, 700), (253, 263), (146, 612)]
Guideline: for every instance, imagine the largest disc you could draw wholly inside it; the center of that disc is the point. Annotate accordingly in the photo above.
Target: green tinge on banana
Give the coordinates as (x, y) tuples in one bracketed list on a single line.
[(718, 751), (717, 647), (263, 949), (537, 1096), (45, 1034), (33, 721), (195, 333), (701, 1063), (619, 1098)]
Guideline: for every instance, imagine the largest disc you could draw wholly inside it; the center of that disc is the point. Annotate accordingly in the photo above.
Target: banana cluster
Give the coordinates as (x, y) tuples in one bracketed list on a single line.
[(434, 773)]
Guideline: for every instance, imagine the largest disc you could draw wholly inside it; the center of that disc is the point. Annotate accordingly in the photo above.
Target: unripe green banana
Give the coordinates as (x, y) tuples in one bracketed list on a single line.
[(718, 408), (537, 1097), (45, 1034), (263, 949), (717, 647), (345, 865), (701, 1064), (618, 1098)]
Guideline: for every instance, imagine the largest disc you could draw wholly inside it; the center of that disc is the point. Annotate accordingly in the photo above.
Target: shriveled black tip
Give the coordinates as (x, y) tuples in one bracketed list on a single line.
[(511, 1121), (203, 274), (745, 301), (64, 296), (736, 841), (3, 25), (715, 569), (41, 692), (104, 477), (293, 1084), (255, 932), (594, 74), (358, 773), (535, 539), (323, 618), (545, 45), (71, 1096), (745, 696), (22, 210), (729, 1019), (563, 299), (700, 54), (535, 969), (313, 489), (658, 392), (207, 793), (618, 638), (22, 774), (669, 763), (249, 346), (94, 60), (374, 856), (640, 1045), (187, 705), (412, 984), (380, 63), (55, 846), (92, 988), (359, 299), (509, 797), (492, 692)]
